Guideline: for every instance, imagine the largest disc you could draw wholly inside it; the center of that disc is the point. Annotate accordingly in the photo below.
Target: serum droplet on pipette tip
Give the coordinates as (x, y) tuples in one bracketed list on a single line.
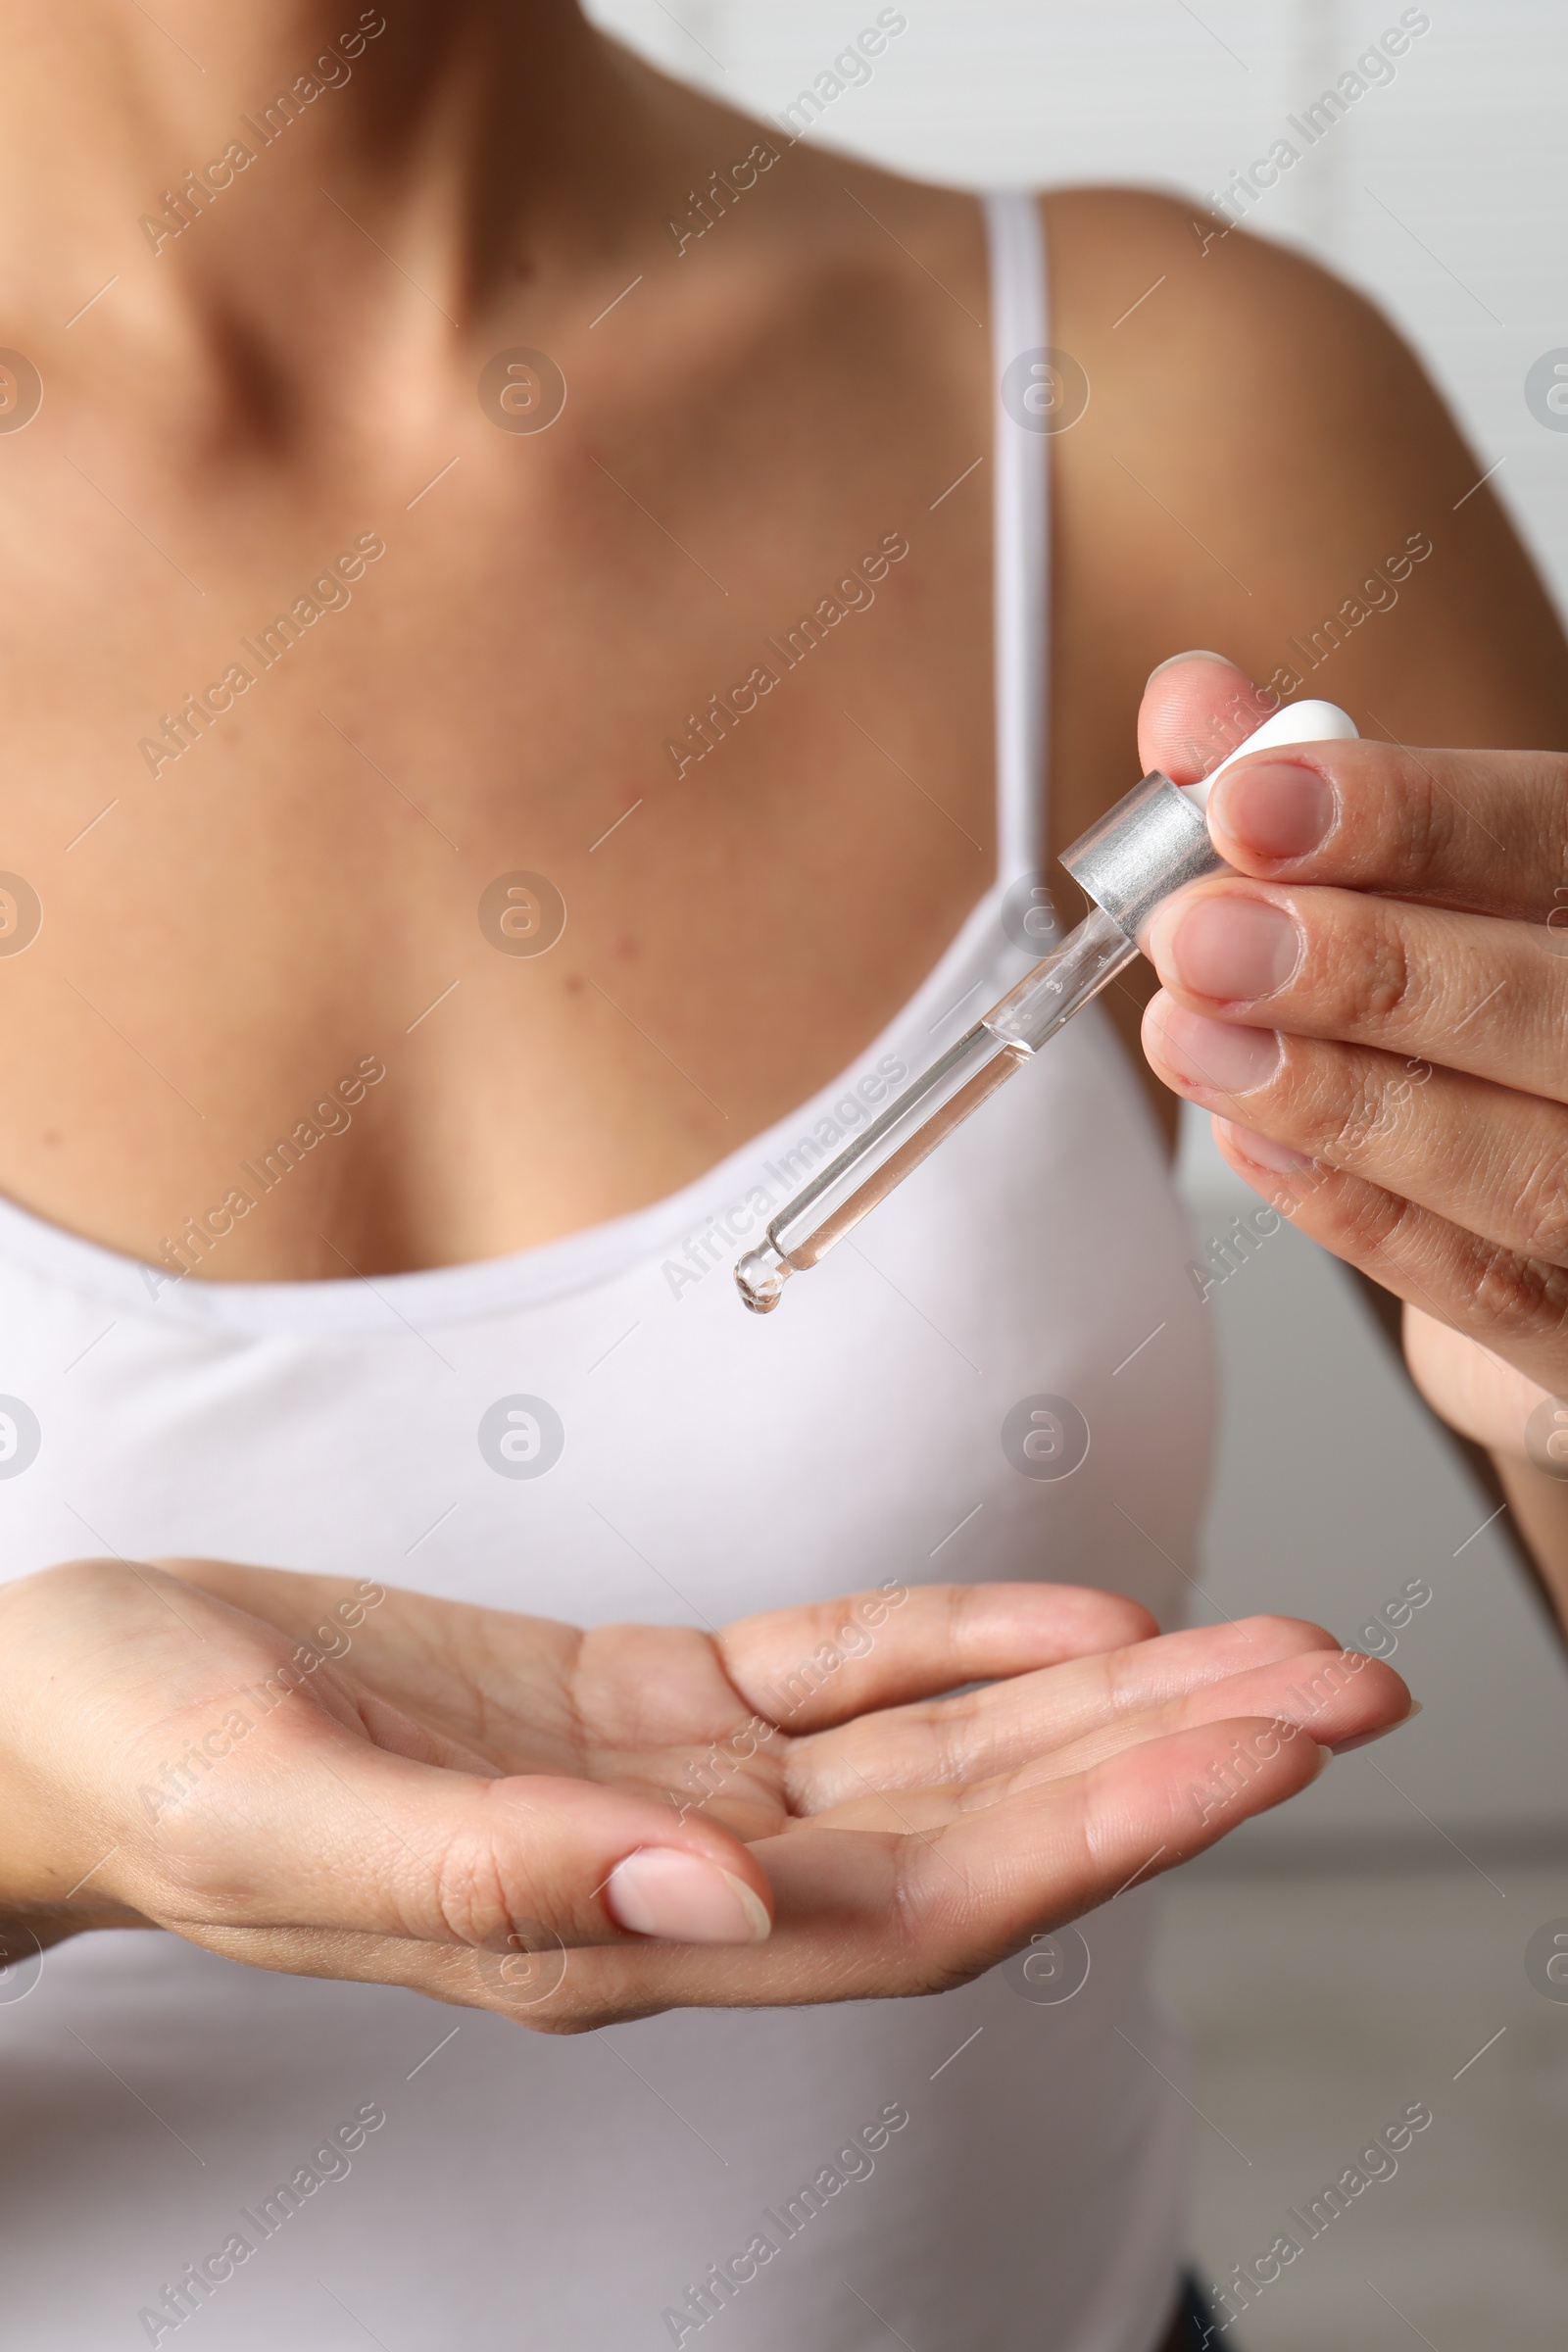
[(761, 1276)]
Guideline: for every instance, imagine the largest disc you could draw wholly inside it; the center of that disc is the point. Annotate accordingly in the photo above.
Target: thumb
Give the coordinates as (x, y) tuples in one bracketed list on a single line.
[(327, 1832), (1196, 708)]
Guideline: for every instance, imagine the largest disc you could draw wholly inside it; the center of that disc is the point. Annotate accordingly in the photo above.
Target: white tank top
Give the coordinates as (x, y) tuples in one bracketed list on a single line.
[(573, 2195)]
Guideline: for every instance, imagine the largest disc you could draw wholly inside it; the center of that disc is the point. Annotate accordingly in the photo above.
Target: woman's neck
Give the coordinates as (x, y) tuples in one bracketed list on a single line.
[(312, 177)]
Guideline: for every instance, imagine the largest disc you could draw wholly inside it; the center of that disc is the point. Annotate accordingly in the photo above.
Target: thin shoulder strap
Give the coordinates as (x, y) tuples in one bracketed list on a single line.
[(1021, 534)]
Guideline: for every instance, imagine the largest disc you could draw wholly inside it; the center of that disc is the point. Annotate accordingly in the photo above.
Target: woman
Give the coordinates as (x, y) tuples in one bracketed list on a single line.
[(512, 752)]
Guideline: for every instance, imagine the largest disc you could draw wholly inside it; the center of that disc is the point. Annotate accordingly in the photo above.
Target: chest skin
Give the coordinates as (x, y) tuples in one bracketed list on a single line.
[(711, 653)]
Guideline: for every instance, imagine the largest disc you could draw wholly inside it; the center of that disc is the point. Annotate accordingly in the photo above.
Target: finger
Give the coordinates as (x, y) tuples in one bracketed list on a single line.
[(808, 1667), (1476, 830), (945, 1744), (868, 1913), (1467, 991), (307, 1827), (1500, 1299), (861, 1912), (1048, 1854), (1339, 1696), (1476, 1154), (1197, 709)]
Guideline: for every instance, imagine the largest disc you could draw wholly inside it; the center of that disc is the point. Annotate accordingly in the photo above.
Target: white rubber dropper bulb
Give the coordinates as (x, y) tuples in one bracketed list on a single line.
[(1298, 722)]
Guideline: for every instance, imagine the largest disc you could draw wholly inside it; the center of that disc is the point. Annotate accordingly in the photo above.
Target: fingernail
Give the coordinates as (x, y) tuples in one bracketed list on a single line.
[(1262, 1150), (1229, 947), (680, 1898), (1197, 653), (1215, 1058), (1385, 1731), (1325, 1757), (1274, 809)]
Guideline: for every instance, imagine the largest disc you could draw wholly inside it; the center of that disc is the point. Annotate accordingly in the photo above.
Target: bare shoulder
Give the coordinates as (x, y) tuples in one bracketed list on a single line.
[(1193, 322), (1265, 467)]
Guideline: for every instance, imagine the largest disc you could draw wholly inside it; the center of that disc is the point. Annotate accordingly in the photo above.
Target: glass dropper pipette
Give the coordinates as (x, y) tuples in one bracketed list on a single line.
[(1155, 840)]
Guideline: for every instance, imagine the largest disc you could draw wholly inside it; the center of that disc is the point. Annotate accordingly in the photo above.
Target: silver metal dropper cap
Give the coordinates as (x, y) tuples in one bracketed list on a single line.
[(1153, 842), (1156, 837)]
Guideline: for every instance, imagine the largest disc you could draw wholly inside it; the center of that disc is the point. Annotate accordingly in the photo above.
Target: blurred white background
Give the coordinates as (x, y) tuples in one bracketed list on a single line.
[(1349, 1954)]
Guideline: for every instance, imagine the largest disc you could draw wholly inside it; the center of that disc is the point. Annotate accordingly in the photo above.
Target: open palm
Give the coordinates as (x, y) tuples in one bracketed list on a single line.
[(332, 1779)]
